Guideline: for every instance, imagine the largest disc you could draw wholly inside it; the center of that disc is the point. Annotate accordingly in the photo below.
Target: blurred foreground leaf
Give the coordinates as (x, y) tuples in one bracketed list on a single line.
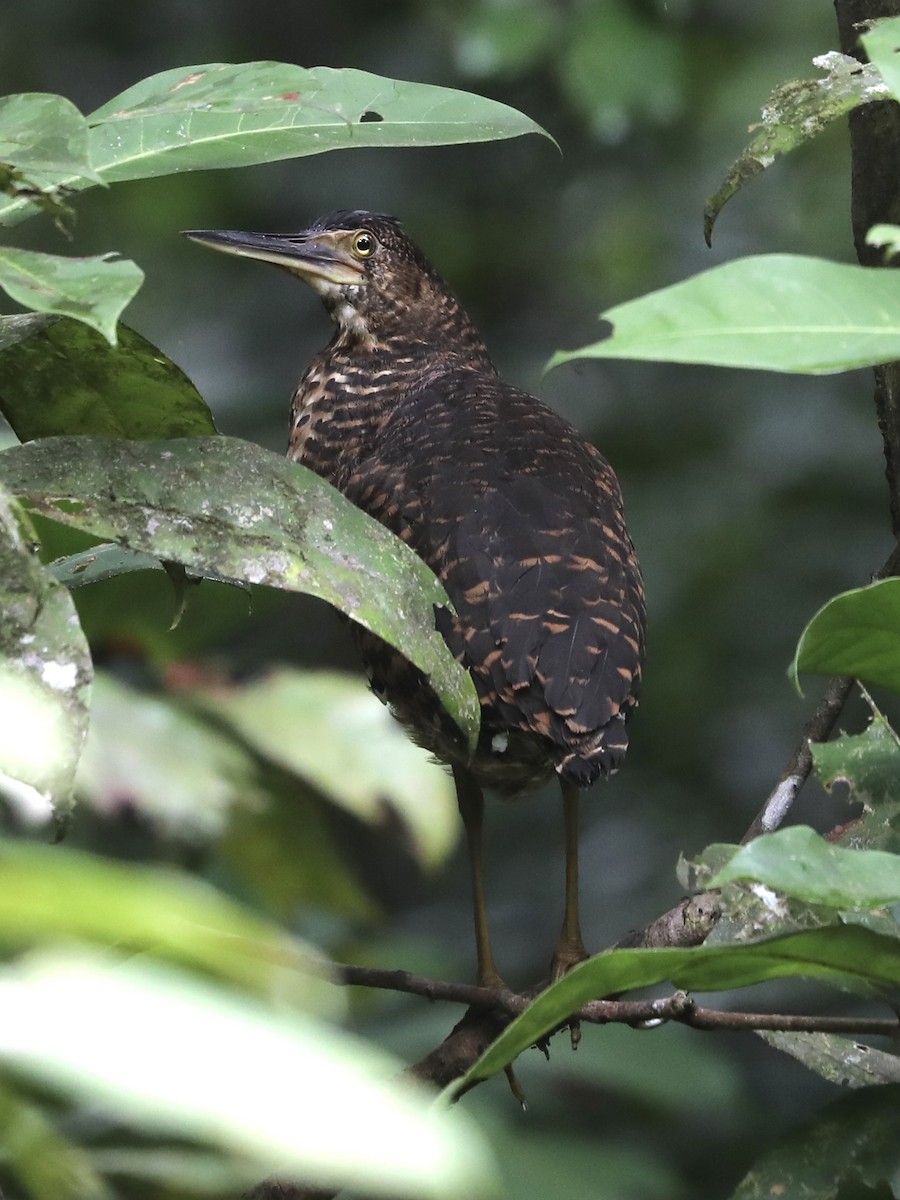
[(331, 731), (94, 290), (224, 505), (774, 312), (798, 862), (47, 1164), (60, 377), (172, 1055), (52, 894), (45, 676), (857, 634), (846, 955), (852, 1144), (795, 113)]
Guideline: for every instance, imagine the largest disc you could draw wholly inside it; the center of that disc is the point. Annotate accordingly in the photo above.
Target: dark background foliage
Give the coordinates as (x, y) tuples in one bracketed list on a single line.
[(752, 497)]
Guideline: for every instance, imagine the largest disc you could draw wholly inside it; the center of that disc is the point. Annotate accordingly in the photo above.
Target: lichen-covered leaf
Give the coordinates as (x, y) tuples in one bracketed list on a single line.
[(795, 113), (852, 1144), (773, 312), (60, 377), (45, 677), (837, 1059), (92, 290), (869, 763), (224, 505)]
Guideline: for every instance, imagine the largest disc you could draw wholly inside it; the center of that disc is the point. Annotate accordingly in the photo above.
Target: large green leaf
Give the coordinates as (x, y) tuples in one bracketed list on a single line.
[(224, 505), (882, 43), (852, 1144), (329, 730), (838, 1059), (94, 290), (856, 633), (795, 113), (234, 115), (775, 312), (173, 1056), (846, 955), (798, 862), (60, 377), (869, 763), (45, 676)]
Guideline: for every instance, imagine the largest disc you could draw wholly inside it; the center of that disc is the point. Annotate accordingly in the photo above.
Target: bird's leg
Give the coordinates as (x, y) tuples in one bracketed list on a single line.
[(471, 809), (570, 949)]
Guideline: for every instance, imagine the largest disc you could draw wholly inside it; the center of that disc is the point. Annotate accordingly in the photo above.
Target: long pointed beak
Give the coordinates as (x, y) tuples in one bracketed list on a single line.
[(310, 256)]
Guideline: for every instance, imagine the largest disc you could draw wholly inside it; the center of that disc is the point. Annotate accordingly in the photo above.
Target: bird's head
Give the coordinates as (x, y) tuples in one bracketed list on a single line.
[(371, 276)]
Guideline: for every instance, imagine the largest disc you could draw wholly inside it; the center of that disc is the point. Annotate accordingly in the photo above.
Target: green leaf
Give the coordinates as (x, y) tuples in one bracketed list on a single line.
[(52, 894), (845, 955), (93, 290), (223, 505), (45, 138), (60, 377), (798, 862), (333, 733), (851, 1143), (157, 757), (234, 115), (856, 633), (48, 1165), (837, 1059), (174, 1056), (882, 42), (869, 763), (45, 677), (774, 312), (795, 113)]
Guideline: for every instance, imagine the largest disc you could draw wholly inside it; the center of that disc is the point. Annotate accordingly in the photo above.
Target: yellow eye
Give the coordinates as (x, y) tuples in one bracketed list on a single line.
[(363, 244)]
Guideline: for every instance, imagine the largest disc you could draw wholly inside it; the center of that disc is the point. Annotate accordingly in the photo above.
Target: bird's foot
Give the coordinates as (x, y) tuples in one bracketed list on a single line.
[(568, 954)]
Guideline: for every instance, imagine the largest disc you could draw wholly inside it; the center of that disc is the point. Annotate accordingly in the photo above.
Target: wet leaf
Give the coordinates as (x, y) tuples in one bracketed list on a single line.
[(93, 290), (795, 113), (60, 377), (774, 312), (223, 505), (45, 677), (798, 862)]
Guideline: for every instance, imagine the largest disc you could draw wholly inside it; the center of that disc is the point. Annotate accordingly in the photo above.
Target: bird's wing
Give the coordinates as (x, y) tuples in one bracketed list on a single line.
[(522, 521)]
